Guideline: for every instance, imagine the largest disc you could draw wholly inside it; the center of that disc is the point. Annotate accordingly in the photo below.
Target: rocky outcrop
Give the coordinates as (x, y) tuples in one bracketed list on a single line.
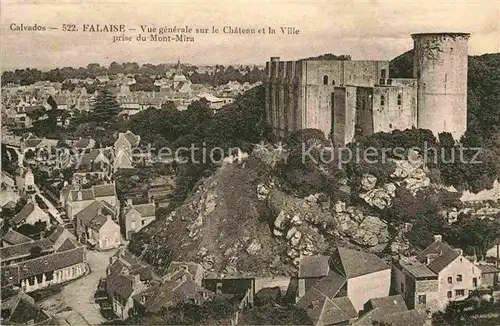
[(309, 225), (220, 227), (410, 174)]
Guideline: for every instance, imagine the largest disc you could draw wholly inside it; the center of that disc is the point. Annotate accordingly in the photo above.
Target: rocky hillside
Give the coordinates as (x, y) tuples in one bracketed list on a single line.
[(222, 225), (243, 221)]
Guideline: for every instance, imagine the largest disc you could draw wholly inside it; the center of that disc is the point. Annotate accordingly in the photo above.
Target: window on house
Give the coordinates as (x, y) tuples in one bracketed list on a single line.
[(459, 278), (382, 74), (402, 287), (449, 294), (399, 99), (143, 222), (333, 82), (421, 299), (325, 80), (459, 293), (450, 280), (382, 100)]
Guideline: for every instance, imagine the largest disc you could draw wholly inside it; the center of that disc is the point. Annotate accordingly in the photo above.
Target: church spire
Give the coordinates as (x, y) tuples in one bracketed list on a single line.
[(179, 66)]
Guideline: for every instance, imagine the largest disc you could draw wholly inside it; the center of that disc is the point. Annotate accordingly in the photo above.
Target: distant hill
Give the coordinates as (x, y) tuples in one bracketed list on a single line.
[(402, 66), (330, 56)]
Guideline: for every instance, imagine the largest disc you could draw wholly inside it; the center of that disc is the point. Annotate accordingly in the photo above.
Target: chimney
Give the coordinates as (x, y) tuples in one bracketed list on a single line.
[(79, 196), (137, 279), (438, 238)]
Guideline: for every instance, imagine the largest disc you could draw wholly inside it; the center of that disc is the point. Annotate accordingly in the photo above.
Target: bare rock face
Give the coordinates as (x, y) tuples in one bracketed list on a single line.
[(309, 226), (254, 247), (411, 174), (365, 230), (378, 197), (262, 192), (368, 181)]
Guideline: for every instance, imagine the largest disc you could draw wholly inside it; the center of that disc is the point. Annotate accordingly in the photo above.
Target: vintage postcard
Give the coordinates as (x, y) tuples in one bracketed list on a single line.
[(250, 162)]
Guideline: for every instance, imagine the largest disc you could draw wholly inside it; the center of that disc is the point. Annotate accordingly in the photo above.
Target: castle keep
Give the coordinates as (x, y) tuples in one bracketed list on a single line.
[(346, 97)]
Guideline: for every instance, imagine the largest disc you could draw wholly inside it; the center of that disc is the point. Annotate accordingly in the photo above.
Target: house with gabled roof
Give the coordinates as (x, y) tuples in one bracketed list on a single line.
[(77, 198), (391, 310), (42, 263), (25, 181), (326, 302), (30, 214), (311, 270), (123, 147), (126, 276), (21, 309), (95, 226), (449, 276), (12, 238), (355, 274), (136, 217)]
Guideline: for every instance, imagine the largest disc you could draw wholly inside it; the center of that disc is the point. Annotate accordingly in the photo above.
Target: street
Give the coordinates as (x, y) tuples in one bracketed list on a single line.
[(79, 295)]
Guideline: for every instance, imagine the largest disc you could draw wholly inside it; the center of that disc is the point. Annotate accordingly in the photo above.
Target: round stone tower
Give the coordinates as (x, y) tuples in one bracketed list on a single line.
[(440, 67)]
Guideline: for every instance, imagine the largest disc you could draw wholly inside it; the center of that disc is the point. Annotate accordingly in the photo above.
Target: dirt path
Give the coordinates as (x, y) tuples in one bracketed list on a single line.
[(79, 295)]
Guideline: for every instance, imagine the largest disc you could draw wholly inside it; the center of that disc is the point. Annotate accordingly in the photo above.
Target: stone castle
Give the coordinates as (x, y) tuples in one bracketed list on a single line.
[(344, 98)]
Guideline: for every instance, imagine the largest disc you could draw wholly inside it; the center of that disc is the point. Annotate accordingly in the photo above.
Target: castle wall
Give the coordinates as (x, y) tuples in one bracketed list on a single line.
[(394, 107), (344, 114), (303, 94), (440, 66), (364, 112)]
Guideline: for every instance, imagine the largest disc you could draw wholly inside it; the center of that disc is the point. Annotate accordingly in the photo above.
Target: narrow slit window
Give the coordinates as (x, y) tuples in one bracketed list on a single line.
[(325, 80), (382, 100), (399, 99)]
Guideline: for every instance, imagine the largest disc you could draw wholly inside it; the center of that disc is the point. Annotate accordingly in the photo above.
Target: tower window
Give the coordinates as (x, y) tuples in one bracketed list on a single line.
[(325, 80), (399, 99), (382, 100), (382, 74), (333, 82)]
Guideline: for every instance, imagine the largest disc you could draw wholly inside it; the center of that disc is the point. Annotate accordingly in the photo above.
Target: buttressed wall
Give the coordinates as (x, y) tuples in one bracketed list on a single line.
[(440, 67)]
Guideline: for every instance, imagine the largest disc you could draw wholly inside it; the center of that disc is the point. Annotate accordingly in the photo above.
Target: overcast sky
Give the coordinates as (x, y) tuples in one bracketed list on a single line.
[(363, 29)]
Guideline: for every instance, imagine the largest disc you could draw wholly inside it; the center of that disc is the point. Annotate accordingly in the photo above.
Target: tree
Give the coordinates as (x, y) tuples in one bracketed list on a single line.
[(105, 108)]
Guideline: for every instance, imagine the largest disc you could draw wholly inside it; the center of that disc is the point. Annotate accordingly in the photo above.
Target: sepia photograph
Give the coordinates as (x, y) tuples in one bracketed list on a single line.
[(323, 163)]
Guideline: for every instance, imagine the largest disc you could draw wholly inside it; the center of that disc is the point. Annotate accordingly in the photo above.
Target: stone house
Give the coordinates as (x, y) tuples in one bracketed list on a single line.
[(126, 277), (136, 217), (77, 199), (30, 214), (94, 225), (416, 283), (456, 276)]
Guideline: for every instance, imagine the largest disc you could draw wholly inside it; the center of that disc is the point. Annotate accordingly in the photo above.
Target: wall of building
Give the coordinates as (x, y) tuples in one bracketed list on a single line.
[(440, 66), (109, 236), (283, 282), (394, 107), (363, 288), (429, 288), (364, 110), (58, 277), (468, 271)]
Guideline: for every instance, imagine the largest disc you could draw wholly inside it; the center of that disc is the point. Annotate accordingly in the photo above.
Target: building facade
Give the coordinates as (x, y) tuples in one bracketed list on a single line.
[(344, 98)]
